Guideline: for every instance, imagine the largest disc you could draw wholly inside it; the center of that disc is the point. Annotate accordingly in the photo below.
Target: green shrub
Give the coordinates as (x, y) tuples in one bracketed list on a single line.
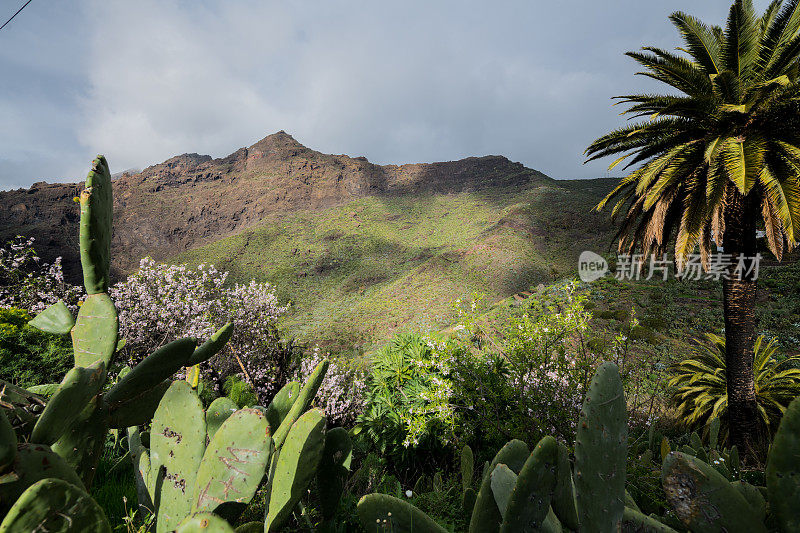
[(29, 356), (240, 392), (408, 402)]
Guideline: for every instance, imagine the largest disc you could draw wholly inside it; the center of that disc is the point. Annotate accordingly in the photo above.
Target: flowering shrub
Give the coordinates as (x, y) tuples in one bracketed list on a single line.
[(524, 373), (26, 282), (342, 392), (164, 302), (408, 396)]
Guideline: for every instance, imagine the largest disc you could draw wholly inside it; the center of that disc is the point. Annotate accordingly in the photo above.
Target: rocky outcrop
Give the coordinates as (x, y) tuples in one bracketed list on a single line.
[(193, 199)]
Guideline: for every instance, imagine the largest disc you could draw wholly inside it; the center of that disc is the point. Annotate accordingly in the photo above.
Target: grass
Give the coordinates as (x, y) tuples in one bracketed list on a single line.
[(360, 272)]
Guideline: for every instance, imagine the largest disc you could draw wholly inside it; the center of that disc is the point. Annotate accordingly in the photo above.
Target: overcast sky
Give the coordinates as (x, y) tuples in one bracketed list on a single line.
[(397, 82)]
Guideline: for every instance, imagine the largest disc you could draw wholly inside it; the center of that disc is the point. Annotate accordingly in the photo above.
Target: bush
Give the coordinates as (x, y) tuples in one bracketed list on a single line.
[(342, 392), (525, 374), (408, 400), (29, 356), (240, 392), (167, 301), (28, 283)]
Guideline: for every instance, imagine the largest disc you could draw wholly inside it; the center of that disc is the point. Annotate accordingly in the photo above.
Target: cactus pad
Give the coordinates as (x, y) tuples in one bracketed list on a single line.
[(304, 399), (486, 517), (234, 462), (53, 505), (33, 463), (138, 410), (783, 470), (94, 336), (77, 388), (156, 367), (217, 413), (295, 467), (281, 403), (703, 499), (95, 227), (503, 483), (56, 319), (601, 452), (83, 441), (204, 522), (213, 345), (467, 467), (530, 501), (381, 512), (177, 443), (564, 495), (333, 469)]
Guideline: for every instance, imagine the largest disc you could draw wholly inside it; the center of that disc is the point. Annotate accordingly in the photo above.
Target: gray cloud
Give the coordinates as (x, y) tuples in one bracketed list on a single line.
[(397, 82)]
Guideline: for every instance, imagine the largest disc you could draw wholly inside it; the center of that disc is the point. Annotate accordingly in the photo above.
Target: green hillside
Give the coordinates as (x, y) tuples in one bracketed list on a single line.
[(359, 272)]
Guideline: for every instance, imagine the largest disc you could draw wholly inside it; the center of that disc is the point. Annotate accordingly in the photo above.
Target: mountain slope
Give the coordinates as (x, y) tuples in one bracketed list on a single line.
[(359, 272), (192, 199), (362, 250)]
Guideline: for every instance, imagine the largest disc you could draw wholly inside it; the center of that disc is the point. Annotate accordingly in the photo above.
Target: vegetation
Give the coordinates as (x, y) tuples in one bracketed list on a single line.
[(716, 160), (428, 432), (701, 386), (29, 356)]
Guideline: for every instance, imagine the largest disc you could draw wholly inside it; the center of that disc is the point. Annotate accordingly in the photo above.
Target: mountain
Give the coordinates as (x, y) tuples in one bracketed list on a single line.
[(192, 199), (362, 250)]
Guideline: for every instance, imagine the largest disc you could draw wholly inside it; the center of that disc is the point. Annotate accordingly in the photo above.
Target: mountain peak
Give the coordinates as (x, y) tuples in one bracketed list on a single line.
[(277, 141)]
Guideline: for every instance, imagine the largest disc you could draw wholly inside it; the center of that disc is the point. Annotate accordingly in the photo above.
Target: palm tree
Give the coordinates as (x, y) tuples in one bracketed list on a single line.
[(700, 387), (714, 158)]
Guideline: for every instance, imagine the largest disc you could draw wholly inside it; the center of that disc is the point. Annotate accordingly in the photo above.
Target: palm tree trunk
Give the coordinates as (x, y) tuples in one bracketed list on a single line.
[(739, 295)]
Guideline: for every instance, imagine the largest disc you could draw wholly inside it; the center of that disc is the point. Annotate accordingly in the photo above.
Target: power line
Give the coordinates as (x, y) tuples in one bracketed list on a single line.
[(15, 14)]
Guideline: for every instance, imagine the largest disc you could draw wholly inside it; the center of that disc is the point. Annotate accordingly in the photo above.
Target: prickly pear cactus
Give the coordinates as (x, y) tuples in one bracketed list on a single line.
[(140, 409), (164, 362), (177, 444), (204, 522), (281, 404), (95, 227), (486, 517), (295, 467), (503, 482), (564, 493), (703, 499), (234, 462), (77, 389), (467, 467), (783, 470), (529, 503), (94, 336), (82, 443), (213, 345), (56, 319), (381, 512), (55, 506), (333, 470), (601, 452), (304, 399), (33, 463), (217, 413), (634, 521)]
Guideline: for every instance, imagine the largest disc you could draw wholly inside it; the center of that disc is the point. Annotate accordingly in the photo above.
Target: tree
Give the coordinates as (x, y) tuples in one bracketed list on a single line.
[(716, 157)]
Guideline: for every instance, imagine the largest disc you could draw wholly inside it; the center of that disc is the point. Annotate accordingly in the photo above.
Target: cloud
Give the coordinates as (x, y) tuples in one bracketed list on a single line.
[(397, 82)]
